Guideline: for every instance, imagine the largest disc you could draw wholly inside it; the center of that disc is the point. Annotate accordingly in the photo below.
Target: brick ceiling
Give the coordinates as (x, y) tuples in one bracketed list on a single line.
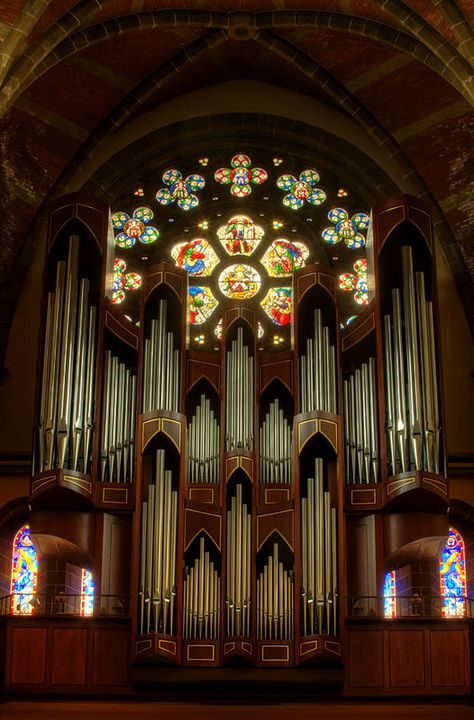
[(72, 73)]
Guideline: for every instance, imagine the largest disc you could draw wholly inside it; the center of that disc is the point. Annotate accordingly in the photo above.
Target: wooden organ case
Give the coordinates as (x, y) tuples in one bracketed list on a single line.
[(258, 496)]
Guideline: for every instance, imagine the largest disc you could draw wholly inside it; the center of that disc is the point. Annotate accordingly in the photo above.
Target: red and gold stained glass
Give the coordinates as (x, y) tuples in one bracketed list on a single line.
[(239, 282), (240, 235), (278, 304), (202, 304), (283, 257), (196, 257)]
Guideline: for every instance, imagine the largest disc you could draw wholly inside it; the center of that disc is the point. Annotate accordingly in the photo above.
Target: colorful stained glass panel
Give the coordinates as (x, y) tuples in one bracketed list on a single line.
[(453, 576), (239, 282), (87, 593), (202, 304), (283, 257), (278, 304), (240, 235), (389, 595), (24, 573), (123, 281), (196, 256)]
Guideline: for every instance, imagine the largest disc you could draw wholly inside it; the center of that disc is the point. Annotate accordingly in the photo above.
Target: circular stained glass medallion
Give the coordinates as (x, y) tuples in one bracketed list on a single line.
[(239, 282)]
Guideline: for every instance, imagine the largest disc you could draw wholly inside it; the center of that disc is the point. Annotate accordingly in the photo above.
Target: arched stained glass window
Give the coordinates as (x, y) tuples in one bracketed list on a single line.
[(87, 593), (389, 595), (453, 576), (24, 573)]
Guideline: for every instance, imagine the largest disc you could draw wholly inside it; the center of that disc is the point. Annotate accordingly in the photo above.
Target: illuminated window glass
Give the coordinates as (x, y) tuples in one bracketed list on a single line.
[(239, 282), (346, 228), (180, 190), (134, 228), (389, 595), (357, 282), (202, 304), (278, 304), (24, 572), (87, 593), (240, 176), (240, 236), (301, 189), (123, 281), (453, 576), (283, 257), (196, 256)]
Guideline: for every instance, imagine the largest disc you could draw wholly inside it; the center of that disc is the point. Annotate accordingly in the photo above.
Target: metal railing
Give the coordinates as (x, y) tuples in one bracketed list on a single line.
[(61, 603), (414, 605)]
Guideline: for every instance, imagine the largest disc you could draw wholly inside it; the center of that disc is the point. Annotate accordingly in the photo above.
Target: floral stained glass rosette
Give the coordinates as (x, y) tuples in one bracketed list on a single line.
[(346, 229), (301, 189), (134, 228), (356, 281), (240, 176), (180, 190), (123, 281)]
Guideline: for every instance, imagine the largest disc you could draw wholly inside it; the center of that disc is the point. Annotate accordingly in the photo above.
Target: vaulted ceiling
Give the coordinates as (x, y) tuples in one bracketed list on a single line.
[(74, 75)]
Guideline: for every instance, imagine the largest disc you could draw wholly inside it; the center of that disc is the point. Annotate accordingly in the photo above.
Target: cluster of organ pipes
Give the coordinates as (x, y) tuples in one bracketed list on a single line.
[(411, 394), (361, 424), (69, 367), (201, 598), (239, 396), (161, 372), (318, 557), (158, 553), (318, 370), (118, 421), (203, 444), (239, 566), (275, 600), (275, 446)]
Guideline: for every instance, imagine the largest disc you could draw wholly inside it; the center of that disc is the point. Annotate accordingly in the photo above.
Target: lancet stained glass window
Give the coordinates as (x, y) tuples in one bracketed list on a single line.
[(453, 576), (24, 572), (389, 595), (87, 593)]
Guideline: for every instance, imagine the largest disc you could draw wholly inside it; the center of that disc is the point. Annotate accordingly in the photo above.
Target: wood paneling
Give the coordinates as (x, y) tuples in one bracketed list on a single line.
[(406, 658), (449, 664), (27, 656), (366, 666), (110, 657), (69, 655)]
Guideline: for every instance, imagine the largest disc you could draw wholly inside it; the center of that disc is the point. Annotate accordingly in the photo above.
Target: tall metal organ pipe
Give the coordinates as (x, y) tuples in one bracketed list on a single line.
[(361, 424), (158, 553), (411, 394), (201, 598), (161, 373), (118, 421), (203, 444), (69, 368), (275, 600), (239, 396), (318, 370), (239, 560), (275, 446)]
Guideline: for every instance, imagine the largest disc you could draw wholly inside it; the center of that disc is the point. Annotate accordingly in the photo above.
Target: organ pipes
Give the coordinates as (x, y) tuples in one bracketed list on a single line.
[(360, 425), (275, 600), (68, 381), (318, 558), (239, 558), (118, 421), (158, 553), (239, 396), (412, 418), (275, 446), (318, 370), (203, 444), (201, 598), (161, 366)]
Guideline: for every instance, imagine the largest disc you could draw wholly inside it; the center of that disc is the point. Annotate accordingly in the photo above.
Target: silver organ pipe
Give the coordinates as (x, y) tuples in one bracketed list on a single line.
[(361, 424), (69, 366), (318, 370), (275, 446), (318, 558), (240, 394), (411, 394), (201, 598), (161, 366), (238, 576), (203, 444), (158, 553), (118, 417), (275, 600)]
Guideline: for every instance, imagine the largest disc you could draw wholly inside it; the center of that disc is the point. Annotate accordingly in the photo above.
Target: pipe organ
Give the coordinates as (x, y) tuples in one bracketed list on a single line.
[(244, 472)]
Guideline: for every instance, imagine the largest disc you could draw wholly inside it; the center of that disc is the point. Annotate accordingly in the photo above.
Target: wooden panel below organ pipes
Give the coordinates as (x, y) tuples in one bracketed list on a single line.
[(406, 658), (69, 656), (110, 659), (361, 564), (26, 655), (366, 665), (449, 650), (116, 545)]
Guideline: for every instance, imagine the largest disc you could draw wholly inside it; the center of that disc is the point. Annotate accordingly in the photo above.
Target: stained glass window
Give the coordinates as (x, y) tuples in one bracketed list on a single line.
[(134, 228), (346, 229), (283, 257), (123, 281), (87, 593), (301, 189), (389, 595), (453, 576), (202, 304), (240, 175), (357, 282), (278, 304), (180, 190), (24, 572), (218, 330), (240, 236), (239, 282), (196, 256)]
